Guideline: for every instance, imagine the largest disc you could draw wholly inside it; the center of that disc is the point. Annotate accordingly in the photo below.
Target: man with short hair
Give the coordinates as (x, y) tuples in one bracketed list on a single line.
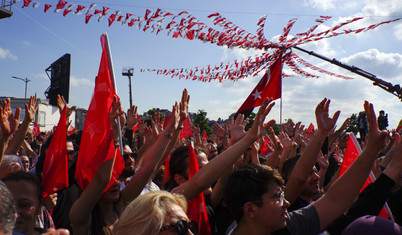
[(254, 194)]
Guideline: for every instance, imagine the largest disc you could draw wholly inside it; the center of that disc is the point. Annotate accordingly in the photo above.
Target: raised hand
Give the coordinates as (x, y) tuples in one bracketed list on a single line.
[(183, 107), (8, 122), (237, 128), (132, 117), (324, 122), (114, 113), (258, 128), (376, 138), (61, 103)]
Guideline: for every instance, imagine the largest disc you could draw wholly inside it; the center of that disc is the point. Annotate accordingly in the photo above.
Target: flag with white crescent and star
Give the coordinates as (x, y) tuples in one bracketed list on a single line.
[(270, 86)]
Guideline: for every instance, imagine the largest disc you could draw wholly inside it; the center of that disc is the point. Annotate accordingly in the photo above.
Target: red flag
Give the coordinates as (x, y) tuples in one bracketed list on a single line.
[(264, 149), (61, 5), (204, 135), (351, 153), (47, 6), (55, 168), (97, 138), (186, 131), (111, 19), (87, 18), (269, 86), (310, 131), (36, 130), (167, 168), (197, 211)]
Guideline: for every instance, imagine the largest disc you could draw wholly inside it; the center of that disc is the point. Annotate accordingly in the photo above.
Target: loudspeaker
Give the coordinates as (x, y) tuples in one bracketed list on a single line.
[(59, 79)]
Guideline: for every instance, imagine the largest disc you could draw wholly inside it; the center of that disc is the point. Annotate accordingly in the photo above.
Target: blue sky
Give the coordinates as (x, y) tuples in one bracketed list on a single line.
[(31, 40)]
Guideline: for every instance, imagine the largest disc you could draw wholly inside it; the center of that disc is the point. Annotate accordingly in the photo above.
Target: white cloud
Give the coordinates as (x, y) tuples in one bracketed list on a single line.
[(386, 65), (398, 32), (6, 54), (320, 4), (76, 82)]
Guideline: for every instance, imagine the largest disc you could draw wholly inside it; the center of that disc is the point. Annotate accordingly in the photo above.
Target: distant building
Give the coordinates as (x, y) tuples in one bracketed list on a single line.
[(47, 116)]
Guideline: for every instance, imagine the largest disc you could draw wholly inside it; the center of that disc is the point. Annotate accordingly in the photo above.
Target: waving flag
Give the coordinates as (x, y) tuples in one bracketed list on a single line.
[(197, 211), (97, 138), (55, 168), (270, 86)]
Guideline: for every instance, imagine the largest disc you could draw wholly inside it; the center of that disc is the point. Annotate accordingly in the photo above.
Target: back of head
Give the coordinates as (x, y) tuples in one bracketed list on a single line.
[(178, 164), (7, 210), (146, 214), (288, 167), (248, 183), (369, 224)]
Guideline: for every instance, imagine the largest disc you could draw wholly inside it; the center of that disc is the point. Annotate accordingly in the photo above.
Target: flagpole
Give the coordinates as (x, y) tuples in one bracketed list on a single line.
[(114, 87)]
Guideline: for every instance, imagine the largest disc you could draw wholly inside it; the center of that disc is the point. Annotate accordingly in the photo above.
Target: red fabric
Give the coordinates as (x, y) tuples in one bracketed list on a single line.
[(310, 131), (197, 211), (36, 129), (264, 149), (269, 86), (70, 130), (55, 167), (111, 19), (186, 131), (351, 153), (47, 6), (204, 135), (97, 138), (87, 18), (26, 3), (61, 4), (167, 176)]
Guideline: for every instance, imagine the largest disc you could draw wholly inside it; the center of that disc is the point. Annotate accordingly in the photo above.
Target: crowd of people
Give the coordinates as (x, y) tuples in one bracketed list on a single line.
[(251, 181)]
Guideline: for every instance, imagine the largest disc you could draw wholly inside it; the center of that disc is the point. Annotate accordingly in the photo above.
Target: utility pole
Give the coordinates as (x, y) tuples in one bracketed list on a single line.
[(26, 80), (129, 72)]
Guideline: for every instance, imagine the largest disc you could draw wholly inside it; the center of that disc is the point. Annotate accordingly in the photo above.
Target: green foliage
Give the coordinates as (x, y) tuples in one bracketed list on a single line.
[(353, 126), (276, 128), (250, 121), (201, 120), (152, 111)]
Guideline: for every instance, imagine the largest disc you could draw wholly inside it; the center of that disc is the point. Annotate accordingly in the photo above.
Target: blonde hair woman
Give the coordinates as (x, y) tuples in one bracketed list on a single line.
[(157, 212)]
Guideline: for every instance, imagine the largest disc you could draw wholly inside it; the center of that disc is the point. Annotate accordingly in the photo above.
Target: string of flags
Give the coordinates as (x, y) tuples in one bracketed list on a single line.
[(186, 26)]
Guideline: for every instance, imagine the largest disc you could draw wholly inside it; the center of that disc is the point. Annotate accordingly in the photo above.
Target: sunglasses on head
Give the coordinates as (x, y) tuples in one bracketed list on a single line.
[(182, 227)]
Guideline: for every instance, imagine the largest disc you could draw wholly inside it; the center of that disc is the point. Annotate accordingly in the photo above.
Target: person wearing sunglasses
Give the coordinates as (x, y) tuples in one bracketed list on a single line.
[(157, 212)]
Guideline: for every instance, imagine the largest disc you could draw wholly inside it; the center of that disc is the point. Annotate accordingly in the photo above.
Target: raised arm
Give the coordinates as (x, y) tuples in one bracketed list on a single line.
[(80, 213), (306, 162), (340, 195), (8, 124), (19, 135), (208, 174), (150, 161)]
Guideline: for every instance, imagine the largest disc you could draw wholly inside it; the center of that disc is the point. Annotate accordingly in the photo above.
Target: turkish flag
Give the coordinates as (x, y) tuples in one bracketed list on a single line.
[(97, 138), (55, 167), (265, 150), (351, 153), (270, 86), (36, 130), (186, 131), (197, 210)]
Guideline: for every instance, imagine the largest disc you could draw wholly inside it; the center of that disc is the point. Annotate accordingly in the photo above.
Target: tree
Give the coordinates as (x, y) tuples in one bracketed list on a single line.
[(353, 125), (201, 120), (251, 118)]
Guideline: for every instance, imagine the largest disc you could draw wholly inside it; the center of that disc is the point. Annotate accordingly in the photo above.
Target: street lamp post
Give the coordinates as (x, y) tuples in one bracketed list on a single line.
[(26, 80), (129, 72)]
